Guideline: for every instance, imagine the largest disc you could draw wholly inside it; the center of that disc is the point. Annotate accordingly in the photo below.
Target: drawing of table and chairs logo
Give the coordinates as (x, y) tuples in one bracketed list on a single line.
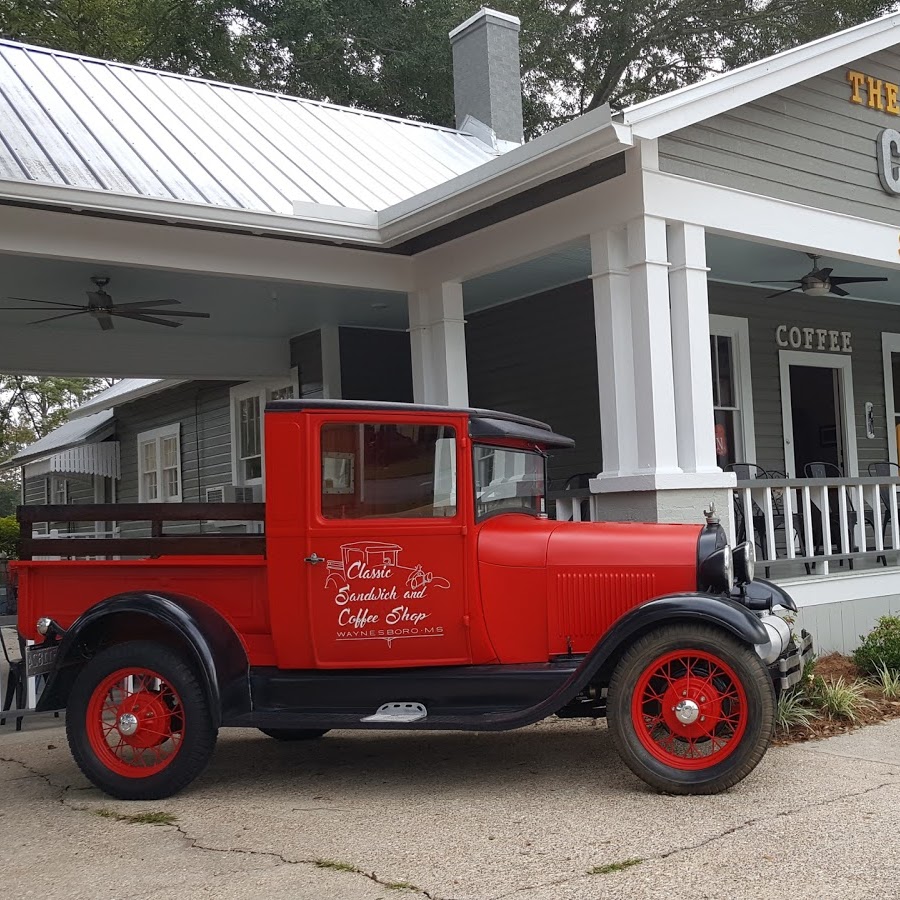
[(380, 598)]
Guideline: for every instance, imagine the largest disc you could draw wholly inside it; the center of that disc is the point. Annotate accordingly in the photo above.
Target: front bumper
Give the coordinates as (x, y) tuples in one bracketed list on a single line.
[(787, 670)]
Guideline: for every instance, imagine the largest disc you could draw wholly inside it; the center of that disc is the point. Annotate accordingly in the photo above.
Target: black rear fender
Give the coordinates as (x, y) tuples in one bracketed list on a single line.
[(183, 623)]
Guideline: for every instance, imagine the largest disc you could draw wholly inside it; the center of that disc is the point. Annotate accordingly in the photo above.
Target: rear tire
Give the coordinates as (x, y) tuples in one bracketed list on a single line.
[(691, 709), (138, 722), (294, 734)]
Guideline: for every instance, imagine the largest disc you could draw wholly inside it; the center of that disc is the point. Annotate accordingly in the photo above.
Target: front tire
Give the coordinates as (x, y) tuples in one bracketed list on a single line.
[(138, 722), (691, 709)]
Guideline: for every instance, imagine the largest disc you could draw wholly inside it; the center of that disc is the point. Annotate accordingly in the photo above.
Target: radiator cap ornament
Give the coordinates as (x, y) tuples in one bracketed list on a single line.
[(711, 517)]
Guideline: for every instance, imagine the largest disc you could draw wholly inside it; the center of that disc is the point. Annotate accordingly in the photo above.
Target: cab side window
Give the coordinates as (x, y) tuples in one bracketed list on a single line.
[(387, 470)]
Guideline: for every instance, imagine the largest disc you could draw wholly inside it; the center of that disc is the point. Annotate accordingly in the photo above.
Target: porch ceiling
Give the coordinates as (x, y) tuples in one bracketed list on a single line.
[(237, 307), (729, 260)]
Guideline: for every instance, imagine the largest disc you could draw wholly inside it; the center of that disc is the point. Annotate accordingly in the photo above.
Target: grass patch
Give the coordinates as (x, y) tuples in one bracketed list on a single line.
[(146, 818), (792, 710), (399, 886), (338, 866), (839, 699), (889, 682), (609, 868)]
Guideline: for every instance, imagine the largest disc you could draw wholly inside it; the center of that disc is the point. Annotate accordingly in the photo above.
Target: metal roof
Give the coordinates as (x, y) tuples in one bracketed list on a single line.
[(123, 391), (88, 123), (69, 434)]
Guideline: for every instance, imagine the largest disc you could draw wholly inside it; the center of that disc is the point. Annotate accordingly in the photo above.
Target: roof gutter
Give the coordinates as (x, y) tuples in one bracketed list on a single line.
[(333, 223), (578, 143), (96, 404), (572, 146)]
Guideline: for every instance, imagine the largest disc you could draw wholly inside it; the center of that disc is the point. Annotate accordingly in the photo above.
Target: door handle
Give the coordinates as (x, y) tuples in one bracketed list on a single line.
[(314, 560)]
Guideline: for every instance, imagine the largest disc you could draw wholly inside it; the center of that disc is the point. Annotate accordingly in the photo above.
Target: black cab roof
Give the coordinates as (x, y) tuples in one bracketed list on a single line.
[(483, 423)]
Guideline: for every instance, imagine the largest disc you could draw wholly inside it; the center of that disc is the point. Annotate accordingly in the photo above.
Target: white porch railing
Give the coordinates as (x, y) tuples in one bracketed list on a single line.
[(87, 536), (797, 524), (818, 521)]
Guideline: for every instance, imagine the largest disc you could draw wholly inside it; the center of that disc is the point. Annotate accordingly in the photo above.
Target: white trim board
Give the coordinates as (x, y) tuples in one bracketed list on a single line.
[(844, 364), (697, 102), (818, 591)]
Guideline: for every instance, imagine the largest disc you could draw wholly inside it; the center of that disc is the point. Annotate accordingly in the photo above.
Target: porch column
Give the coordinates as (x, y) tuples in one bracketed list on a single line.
[(652, 347), (690, 348), (615, 362), (438, 345)]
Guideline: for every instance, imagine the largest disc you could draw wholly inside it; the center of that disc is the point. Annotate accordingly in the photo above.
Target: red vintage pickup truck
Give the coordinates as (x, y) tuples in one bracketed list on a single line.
[(408, 578)]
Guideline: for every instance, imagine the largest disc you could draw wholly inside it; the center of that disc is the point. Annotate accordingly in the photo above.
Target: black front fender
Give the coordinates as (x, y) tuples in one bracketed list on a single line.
[(215, 650)]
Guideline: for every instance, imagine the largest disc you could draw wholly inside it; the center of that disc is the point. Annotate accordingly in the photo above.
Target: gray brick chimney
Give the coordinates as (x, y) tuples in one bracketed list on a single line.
[(487, 83)]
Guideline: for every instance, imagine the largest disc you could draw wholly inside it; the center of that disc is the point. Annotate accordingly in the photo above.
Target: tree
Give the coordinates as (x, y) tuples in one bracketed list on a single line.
[(31, 407), (393, 56)]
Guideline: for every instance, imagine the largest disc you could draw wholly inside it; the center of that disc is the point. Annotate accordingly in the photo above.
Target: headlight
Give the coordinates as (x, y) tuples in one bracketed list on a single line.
[(744, 563), (717, 572)]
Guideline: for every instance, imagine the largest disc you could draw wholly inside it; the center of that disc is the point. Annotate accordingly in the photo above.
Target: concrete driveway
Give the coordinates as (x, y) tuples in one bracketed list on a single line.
[(547, 813)]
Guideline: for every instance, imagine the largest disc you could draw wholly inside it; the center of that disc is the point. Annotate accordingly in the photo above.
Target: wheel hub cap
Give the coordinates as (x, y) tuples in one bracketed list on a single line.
[(686, 711), (128, 724)]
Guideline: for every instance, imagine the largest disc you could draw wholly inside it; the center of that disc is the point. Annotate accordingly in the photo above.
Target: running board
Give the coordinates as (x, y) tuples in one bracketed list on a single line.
[(400, 713)]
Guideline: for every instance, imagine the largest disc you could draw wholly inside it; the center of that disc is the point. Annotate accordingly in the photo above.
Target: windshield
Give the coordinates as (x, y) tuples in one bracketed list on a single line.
[(508, 480)]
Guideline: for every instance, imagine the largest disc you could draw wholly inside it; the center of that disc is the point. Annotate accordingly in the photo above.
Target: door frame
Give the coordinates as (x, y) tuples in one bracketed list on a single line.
[(844, 364), (890, 343)]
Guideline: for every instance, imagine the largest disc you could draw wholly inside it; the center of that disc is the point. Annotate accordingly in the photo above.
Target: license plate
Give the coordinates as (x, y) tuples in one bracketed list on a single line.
[(40, 660)]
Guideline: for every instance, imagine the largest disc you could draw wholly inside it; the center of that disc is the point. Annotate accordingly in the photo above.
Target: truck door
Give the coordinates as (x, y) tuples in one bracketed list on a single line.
[(386, 571)]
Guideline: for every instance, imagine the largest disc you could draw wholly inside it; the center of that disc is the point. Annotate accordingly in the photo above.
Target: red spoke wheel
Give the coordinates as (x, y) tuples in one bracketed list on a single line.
[(691, 709), (138, 721)]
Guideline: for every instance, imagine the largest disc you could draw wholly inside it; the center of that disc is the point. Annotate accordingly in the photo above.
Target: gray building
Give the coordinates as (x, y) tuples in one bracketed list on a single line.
[(703, 289)]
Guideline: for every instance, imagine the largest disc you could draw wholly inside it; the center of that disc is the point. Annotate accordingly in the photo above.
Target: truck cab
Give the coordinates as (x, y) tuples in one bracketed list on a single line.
[(410, 577)]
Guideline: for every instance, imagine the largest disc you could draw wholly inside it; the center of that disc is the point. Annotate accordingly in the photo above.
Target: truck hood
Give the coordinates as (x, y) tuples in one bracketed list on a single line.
[(518, 540)]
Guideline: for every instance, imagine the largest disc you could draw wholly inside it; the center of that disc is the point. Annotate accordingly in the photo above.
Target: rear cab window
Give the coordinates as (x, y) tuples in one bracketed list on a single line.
[(373, 470)]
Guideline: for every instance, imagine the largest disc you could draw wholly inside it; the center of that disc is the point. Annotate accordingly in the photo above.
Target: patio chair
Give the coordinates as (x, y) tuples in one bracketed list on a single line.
[(891, 470), (751, 471), (830, 470)]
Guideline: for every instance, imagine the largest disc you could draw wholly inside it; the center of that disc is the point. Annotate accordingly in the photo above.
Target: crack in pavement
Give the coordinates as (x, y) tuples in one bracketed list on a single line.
[(194, 842), (733, 829), (853, 757)]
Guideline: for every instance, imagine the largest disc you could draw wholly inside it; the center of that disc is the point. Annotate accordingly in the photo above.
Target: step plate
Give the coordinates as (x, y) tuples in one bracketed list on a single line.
[(398, 712)]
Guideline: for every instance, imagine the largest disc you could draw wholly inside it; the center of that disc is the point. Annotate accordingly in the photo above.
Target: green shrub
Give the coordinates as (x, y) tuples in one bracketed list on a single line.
[(792, 710), (840, 699), (9, 535), (889, 682), (880, 647)]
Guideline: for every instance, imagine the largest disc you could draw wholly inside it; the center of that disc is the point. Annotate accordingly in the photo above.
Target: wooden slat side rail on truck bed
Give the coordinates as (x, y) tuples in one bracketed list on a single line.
[(157, 514)]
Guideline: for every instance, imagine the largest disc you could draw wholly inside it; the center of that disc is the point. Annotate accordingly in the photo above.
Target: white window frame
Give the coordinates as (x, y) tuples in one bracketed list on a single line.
[(844, 364), (738, 330), (50, 489), (263, 390), (158, 435)]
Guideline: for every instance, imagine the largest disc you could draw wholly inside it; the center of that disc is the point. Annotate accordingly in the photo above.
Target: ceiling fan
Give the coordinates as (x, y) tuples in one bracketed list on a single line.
[(100, 305), (817, 283)]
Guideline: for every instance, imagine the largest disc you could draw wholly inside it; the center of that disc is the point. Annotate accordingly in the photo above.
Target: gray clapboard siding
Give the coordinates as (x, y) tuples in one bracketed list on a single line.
[(79, 489), (839, 626), (808, 144), (537, 357), (202, 409), (866, 321)]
